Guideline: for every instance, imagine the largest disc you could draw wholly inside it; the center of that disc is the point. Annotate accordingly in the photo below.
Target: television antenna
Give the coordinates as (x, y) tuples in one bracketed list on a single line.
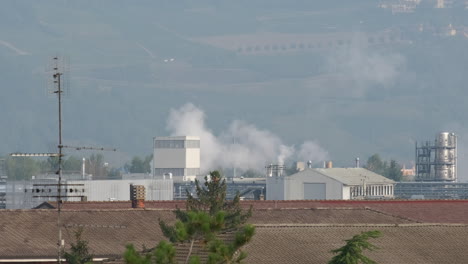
[(57, 87)]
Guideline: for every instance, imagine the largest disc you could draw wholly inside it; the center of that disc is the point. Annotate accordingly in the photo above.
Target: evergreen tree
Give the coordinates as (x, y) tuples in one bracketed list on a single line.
[(351, 253), (132, 256), (165, 253), (222, 252), (79, 251), (394, 171), (211, 199), (205, 216)]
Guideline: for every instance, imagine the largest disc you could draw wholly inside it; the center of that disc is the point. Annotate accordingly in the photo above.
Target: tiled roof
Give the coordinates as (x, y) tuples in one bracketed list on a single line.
[(428, 211), (414, 243), (33, 233)]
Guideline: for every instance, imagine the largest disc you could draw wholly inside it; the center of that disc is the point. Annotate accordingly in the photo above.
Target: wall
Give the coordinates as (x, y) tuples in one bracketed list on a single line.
[(119, 190), (292, 187)]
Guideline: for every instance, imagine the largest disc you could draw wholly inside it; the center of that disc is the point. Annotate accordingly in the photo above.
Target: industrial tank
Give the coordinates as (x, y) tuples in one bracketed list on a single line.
[(445, 157)]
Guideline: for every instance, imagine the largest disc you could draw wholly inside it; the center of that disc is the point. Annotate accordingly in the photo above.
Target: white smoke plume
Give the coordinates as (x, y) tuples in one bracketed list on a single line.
[(241, 145), (366, 66)]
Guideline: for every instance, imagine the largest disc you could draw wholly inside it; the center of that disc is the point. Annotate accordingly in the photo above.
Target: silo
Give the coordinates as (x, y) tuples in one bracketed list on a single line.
[(446, 157)]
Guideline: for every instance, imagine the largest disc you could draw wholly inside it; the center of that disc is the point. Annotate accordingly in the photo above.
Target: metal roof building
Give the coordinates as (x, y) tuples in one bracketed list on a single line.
[(330, 184)]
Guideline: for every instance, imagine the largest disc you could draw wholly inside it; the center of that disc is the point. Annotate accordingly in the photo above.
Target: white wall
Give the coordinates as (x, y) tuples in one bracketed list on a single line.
[(119, 190), (275, 188), (170, 158), (292, 188)]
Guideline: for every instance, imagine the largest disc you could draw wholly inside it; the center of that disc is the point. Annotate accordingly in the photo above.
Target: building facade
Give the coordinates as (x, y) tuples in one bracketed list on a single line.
[(330, 184), (177, 157)]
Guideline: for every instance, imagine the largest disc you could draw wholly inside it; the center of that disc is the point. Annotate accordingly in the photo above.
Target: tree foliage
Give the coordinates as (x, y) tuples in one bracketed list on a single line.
[(206, 215), (96, 166), (222, 252), (165, 253), (391, 170), (352, 252), (21, 168), (79, 251), (132, 256), (139, 165)]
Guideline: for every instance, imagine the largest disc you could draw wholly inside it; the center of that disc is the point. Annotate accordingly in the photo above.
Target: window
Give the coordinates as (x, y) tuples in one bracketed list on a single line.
[(192, 144), (176, 144)]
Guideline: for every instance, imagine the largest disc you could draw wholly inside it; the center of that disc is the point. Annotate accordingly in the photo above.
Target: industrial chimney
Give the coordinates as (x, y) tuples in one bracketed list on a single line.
[(137, 196), (357, 162)]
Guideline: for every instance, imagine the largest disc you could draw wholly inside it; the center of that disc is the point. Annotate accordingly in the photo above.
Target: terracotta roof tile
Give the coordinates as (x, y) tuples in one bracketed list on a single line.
[(398, 244)]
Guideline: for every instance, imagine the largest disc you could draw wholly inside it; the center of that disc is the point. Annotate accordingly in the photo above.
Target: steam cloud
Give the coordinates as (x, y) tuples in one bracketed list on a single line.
[(366, 66), (241, 145)]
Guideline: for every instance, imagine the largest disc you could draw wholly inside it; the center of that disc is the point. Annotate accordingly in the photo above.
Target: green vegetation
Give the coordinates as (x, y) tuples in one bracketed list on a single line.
[(79, 251), (391, 170), (205, 217), (352, 252), (139, 165)]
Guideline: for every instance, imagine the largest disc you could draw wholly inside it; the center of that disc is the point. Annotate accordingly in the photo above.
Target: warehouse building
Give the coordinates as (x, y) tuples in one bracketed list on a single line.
[(330, 184)]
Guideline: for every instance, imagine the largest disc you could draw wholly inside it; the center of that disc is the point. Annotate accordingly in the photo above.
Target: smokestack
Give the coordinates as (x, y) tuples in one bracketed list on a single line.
[(309, 164), (300, 166), (83, 169), (137, 196), (329, 165), (357, 162)]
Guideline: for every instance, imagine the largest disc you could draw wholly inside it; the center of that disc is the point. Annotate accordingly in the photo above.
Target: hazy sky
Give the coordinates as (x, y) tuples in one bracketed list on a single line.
[(135, 66)]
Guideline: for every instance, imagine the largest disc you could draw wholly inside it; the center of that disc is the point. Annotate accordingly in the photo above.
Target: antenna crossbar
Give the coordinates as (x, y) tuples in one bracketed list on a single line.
[(90, 148), (35, 154)]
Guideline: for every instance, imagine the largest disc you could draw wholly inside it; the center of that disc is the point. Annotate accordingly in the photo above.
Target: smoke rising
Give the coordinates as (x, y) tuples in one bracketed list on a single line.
[(241, 145), (366, 66)]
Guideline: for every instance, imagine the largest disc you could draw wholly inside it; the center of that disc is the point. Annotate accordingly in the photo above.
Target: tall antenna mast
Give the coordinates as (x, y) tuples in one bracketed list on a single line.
[(57, 81), (57, 88)]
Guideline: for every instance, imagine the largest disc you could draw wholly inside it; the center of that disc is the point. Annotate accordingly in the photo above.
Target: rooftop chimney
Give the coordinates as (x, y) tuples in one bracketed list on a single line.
[(329, 165), (137, 196), (300, 166)]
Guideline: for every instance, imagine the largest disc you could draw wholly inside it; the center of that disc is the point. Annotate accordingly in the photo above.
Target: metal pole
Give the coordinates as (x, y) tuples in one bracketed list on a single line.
[(60, 147)]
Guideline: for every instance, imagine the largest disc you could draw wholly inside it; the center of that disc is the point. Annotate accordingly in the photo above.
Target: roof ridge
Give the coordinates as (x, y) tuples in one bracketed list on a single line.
[(392, 215), (286, 225)]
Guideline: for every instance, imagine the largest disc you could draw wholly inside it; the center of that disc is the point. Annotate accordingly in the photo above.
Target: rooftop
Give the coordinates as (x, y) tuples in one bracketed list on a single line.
[(348, 176)]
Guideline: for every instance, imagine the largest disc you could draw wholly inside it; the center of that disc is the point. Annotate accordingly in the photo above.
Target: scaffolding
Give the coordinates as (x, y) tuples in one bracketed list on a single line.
[(437, 161)]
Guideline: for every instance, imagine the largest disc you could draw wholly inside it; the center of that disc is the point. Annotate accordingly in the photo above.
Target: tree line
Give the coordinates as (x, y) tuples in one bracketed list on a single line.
[(390, 169), (23, 168)]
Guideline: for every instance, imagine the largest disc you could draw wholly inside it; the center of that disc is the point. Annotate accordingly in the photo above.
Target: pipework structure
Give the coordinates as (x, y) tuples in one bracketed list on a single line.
[(437, 162)]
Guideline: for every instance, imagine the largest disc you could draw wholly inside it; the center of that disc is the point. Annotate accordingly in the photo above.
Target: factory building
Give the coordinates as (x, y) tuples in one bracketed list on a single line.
[(177, 157), (329, 184)]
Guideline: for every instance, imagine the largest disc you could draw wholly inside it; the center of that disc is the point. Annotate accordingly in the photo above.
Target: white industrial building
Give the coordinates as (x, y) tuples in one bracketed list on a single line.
[(330, 184), (177, 157), (119, 190)]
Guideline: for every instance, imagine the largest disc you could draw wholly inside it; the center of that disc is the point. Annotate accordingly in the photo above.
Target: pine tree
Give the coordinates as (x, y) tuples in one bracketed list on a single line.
[(210, 199), (79, 252), (208, 214), (351, 253), (132, 256)]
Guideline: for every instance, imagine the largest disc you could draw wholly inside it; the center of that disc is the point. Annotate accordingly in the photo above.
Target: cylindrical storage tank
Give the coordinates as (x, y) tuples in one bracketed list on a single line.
[(329, 165), (443, 156), (446, 139), (443, 139), (444, 173)]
